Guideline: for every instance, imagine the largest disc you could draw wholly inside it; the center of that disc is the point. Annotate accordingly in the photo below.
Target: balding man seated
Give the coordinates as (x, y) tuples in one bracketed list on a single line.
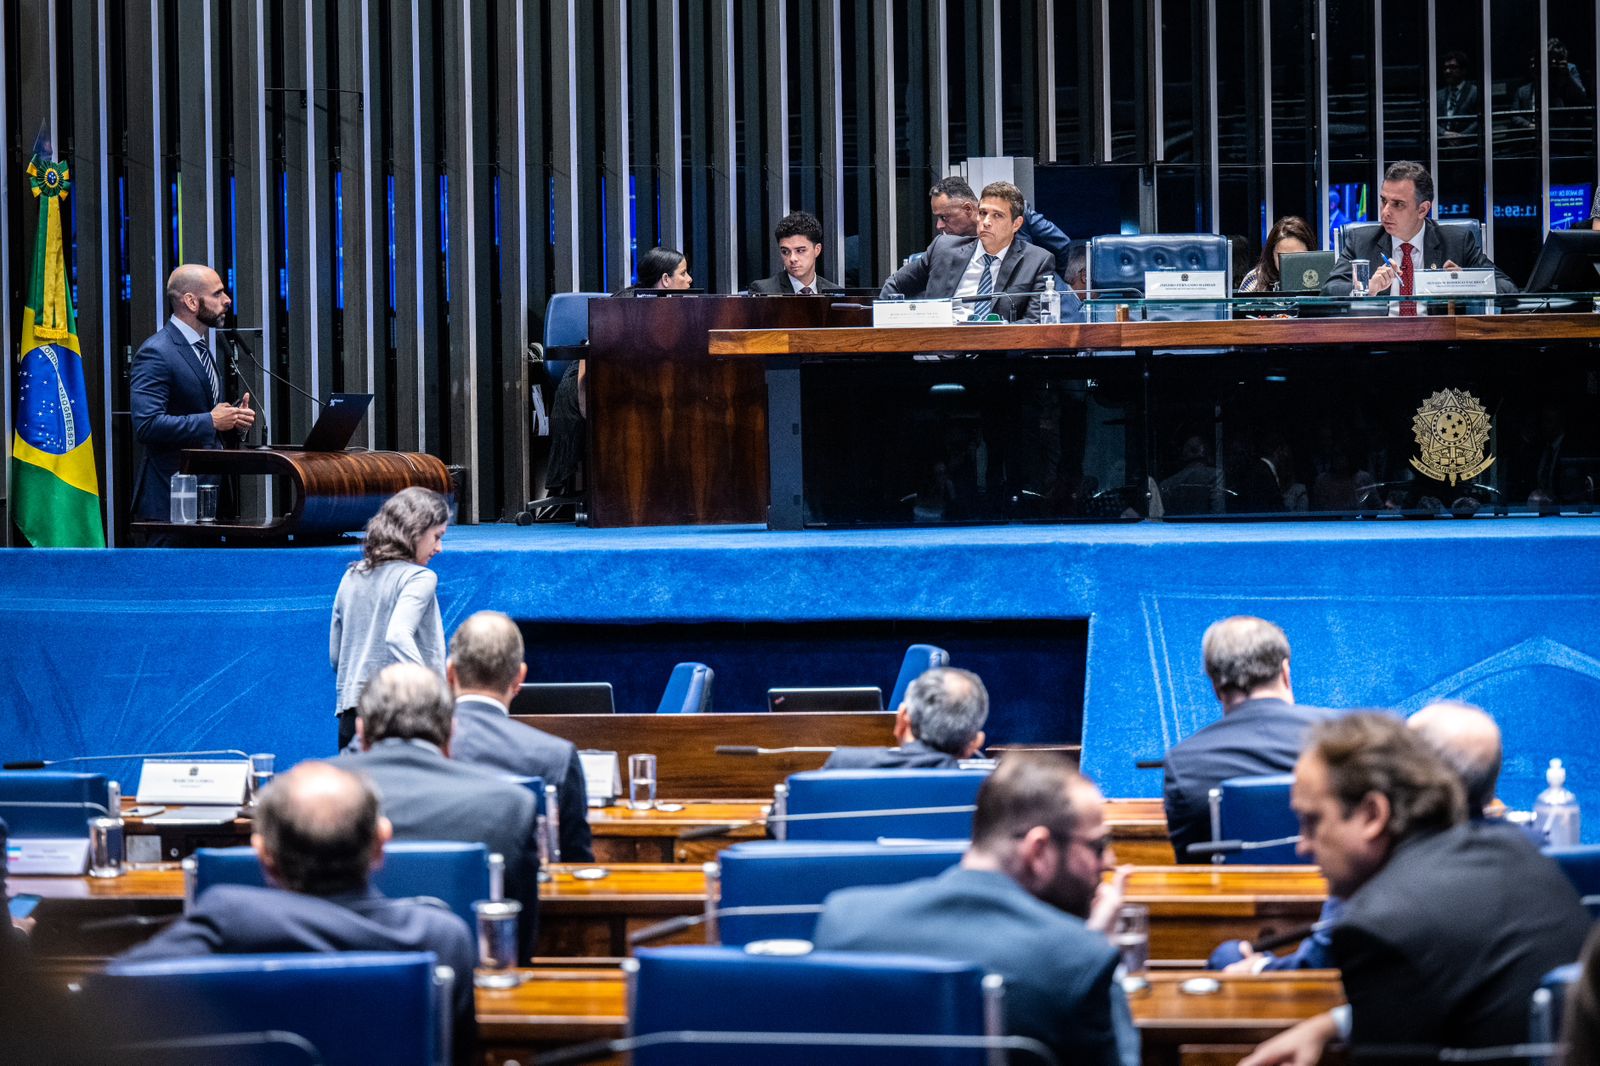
[(939, 723), (319, 834)]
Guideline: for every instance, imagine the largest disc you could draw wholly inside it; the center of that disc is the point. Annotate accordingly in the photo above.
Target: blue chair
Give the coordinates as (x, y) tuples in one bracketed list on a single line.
[(48, 803), (1119, 262), (452, 872), (349, 1009), (775, 873), (688, 690), (1547, 1006), (919, 659), (835, 791), (1581, 864), (696, 999), (566, 328), (1255, 808), (1367, 231)]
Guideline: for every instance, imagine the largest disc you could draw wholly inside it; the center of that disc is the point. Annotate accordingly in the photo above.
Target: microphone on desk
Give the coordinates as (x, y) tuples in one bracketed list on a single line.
[(44, 764), (707, 832), (1149, 764), (234, 335), (1030, 1049), (673, 926), (1233, 847), (751, 749)]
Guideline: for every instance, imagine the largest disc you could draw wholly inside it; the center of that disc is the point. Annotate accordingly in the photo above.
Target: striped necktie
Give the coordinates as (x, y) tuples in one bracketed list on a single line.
[(981, 309), (204, 354)]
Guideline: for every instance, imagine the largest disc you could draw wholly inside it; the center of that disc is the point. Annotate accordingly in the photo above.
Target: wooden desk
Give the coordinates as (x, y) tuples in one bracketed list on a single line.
[(685, 745), (1195, 908), (625, 835), (1139, 832), (594, 919), (555, 1007)]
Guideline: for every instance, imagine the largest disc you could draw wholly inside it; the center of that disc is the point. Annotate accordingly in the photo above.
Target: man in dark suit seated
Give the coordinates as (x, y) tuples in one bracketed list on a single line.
[(1449, 924), (939, 723), (799, 237), (176, 391), (1409, 241), (992, 271), (1019, 904), (1261, 730), (403, 726), (485, 670), (319, 833)]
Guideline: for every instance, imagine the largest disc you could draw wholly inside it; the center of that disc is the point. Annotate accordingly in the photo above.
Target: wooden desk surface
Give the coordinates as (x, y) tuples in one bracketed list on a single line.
[(563, 1006), (159, 883)]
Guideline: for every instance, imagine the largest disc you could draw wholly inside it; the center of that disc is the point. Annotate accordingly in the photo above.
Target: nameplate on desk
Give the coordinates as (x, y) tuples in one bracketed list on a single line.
[(47, 855), (1185, 284), (892, 314), (602, 776), (1478, 281), (193, 781)]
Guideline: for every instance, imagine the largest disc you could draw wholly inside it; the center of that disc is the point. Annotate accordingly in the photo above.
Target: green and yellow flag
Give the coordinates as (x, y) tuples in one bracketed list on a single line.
[(55, 492)]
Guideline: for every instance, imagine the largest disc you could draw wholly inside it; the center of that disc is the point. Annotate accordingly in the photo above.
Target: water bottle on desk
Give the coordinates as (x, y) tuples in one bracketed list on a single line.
[(1050, 302), (1555, 812)]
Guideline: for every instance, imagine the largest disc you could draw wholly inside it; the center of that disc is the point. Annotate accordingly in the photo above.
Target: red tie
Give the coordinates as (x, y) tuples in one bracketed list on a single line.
[(1406, 280)]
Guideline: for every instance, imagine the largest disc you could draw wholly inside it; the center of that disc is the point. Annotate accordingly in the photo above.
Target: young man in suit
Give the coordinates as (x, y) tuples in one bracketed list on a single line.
[(799, 237), (485, 670), (1409, 240), (1448, 925), (939, 723), (992, 271), (404, 725), (176, 390)]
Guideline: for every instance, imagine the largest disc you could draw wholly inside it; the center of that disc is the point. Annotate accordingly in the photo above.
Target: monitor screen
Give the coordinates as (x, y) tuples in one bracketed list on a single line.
[(1568, 262), (1569, 205)]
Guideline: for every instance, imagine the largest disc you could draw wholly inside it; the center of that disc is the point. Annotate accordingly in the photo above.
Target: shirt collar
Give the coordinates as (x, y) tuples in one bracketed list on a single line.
[(999, 257), (414, 742), (796, 284), (1415, 242), (187, 330), (487, 701)]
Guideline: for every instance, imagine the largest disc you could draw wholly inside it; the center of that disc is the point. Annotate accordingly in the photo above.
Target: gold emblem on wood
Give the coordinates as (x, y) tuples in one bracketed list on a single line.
[(1452, 431)]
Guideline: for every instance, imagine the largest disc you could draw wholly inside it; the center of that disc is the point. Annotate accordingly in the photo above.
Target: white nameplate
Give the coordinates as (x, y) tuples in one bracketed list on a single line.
[(889, 314), (217, 783), (48, 855), (1185, 284), (1479, 281), (602, 776)]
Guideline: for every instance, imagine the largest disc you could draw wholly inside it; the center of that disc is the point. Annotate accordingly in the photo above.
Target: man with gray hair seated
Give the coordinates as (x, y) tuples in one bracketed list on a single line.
[(939, 723), (1260, 732)]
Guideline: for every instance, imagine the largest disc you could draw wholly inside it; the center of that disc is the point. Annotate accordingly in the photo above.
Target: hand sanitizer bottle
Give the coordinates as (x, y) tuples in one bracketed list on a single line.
[(1050, 302), (1555, 812)]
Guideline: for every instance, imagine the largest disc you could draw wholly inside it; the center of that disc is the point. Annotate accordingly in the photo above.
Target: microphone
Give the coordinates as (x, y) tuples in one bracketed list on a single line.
[(1232, 847), (234, 344), (673, 926), (1149, 764), (707, 832), (1027, 1048), (751, 749), (233, 335), (42, 764)]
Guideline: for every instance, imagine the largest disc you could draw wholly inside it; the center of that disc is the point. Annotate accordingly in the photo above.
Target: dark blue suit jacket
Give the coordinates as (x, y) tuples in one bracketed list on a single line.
[(912, 756), (937, 275), (486, 736), (1256, 737), (1058, 974), (169, 396)]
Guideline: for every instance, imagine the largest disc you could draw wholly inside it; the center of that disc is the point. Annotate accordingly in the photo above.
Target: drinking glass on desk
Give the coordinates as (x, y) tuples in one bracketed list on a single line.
[(261, 768), (497, 943), (1130, 933), (641, 782), (1360, 276)]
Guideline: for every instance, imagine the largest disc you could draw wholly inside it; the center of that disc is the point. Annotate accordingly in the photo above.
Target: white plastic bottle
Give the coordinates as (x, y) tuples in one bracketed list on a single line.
[(1556, 812), (1050, 302)]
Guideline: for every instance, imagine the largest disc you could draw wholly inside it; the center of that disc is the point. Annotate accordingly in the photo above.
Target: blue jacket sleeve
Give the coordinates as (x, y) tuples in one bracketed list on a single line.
[(150, 389), (1047, 235)]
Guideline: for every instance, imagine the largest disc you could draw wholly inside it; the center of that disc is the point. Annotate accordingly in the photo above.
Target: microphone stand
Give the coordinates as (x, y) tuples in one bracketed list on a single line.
[(235, 343)]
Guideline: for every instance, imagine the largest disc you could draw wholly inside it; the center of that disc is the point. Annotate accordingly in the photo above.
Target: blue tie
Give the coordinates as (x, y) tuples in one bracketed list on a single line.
[(985, 288)]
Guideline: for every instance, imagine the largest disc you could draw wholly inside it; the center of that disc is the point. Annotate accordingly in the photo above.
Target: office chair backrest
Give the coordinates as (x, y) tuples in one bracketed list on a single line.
[(1120, 260), (566, 327), (455, 873), (1547, 1008), (778, 873), (81, 796), (352, 1008), (1581, 864), (918, 660), (688, 690), (1255, 808), (710, 990), (825, 791), (1368, 231)]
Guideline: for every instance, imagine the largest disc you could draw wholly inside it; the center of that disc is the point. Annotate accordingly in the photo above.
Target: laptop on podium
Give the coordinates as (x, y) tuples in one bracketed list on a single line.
[(336, 423)]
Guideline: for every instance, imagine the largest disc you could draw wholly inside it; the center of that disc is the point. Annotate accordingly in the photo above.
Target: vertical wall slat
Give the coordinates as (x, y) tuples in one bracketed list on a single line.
[(668, 92), (723, 275), (886, 252), (831, 135), (776, 113), (619, 217)]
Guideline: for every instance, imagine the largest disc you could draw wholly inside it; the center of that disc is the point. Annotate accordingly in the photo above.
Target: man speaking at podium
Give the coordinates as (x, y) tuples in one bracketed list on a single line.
[(177, 392)]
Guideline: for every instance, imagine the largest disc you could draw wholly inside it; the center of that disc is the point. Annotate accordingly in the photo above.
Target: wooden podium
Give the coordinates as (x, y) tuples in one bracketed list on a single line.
[(332, 492)]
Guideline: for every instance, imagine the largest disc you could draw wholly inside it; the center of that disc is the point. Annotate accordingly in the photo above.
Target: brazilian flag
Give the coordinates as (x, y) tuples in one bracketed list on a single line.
[(55, 492)]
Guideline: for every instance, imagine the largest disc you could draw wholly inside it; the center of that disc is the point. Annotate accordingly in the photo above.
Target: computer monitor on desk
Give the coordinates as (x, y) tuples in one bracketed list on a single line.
[(1568, 262)]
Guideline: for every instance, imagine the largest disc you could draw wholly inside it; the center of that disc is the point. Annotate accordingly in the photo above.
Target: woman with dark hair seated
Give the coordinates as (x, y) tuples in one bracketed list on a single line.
[(1291, 233), (659, 268)]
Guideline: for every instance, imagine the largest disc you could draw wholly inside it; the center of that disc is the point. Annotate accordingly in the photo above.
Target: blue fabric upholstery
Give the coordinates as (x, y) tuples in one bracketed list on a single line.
[(354, 1008), (450, 871), (775, 873), (1257, 808), (820, 791), (920, 658), (1545, 1011), (713, 989), (1119, 261), (21, 787), (688, 690), (1582, 867), (566, 325)]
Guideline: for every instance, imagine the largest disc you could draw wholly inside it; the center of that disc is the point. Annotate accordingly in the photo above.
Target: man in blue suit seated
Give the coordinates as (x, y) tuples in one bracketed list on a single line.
[(319, 834), (939, 723), (177, 391), (992, 271), (1020, 905), (485, 670)]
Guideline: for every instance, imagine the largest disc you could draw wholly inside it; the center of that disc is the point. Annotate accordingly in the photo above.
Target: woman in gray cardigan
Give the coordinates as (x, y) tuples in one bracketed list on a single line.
[(386, 610)]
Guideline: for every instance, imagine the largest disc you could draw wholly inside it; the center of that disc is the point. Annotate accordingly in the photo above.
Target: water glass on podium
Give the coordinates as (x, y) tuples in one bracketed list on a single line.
[(183, 499), (641, 782), (261, 769), (497, 943), (1130, 933)]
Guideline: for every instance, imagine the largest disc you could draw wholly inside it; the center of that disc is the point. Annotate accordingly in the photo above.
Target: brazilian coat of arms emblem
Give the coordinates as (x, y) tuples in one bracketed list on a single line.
[(1452, 431)]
